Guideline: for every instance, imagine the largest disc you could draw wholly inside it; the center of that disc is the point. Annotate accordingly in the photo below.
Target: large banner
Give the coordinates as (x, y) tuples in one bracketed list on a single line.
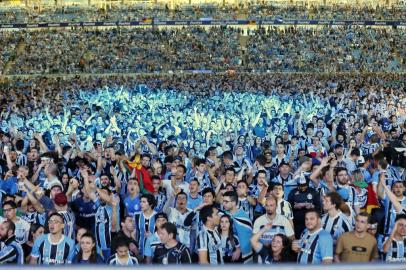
[(150, 22)]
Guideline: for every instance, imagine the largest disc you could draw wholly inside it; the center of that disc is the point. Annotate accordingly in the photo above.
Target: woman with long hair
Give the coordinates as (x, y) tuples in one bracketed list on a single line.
[(88, 253), (280, 250), (229, 241), (36, 230)]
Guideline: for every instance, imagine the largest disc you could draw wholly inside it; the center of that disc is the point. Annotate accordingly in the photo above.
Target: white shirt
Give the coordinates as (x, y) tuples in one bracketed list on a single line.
[(280, 224)]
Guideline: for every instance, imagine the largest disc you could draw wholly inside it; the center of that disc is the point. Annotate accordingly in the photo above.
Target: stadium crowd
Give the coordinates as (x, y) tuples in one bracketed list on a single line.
[(232, 168), (137, 50), (207, 11)]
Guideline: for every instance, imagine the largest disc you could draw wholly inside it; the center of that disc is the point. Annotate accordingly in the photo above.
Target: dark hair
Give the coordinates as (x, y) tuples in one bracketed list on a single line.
[(339, 169), (12, 204), (155, 177), (261, 171), (401, 216), (228, 155), (243, 181), (232, 194), (19, 145), (181, 193), (146, 155), (363, 214), (206, 212), (272, 185), (335, 199), (230, 231), (10, 225), (286, 253), (231, 169), (261, 159), (313, 211), (58, 215), (93, 255), (383, 164), (355, 152), (121, 242), (209, 190), (200, 161), (195, 180), (150, 199), (170, 228), (183, 167), (33, 229)]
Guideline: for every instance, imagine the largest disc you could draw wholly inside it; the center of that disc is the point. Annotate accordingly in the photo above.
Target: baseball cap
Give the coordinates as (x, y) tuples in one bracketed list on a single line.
[(61, 199), (283, 163), (55, 183), (301, 180)]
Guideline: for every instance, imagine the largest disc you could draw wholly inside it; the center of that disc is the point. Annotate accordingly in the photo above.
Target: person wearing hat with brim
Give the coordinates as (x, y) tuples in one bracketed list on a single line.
[(302, 198)]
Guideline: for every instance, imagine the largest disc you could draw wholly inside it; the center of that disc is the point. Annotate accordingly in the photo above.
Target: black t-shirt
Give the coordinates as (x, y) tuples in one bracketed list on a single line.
[(178, 254), (121, 235)]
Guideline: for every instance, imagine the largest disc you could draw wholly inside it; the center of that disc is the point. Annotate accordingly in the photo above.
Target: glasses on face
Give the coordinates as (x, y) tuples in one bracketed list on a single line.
[(8, 209), (54, 221)]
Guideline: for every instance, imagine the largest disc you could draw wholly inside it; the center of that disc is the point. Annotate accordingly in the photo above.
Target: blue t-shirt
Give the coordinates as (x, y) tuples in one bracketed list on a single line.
[(192, 203), (315, 247), (132, 206)]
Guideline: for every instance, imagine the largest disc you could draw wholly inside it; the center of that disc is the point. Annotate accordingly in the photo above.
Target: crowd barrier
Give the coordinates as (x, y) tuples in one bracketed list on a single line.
[(375, 266), (151, 22)]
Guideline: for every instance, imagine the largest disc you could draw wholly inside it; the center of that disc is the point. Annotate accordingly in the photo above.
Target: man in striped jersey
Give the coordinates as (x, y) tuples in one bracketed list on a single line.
[(61, 206), (398, 189), (153, 240), (395, 244), (12, 252), (316, 245), (105, 218), (145, 221), (209, 240), (22, 227), (347, 192), (181, 216), (246, 202), (160, 196), (242, 224), (53, 248), (334, 221)]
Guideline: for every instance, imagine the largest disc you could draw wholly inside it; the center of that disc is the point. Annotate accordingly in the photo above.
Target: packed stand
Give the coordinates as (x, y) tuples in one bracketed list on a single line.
[(218, 49), (252, 169), (8, 43), (208, 11), (340, 49), (128, 50)]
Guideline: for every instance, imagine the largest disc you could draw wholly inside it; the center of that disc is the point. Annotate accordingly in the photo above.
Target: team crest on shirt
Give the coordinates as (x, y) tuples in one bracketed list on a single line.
[(309, 196)]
